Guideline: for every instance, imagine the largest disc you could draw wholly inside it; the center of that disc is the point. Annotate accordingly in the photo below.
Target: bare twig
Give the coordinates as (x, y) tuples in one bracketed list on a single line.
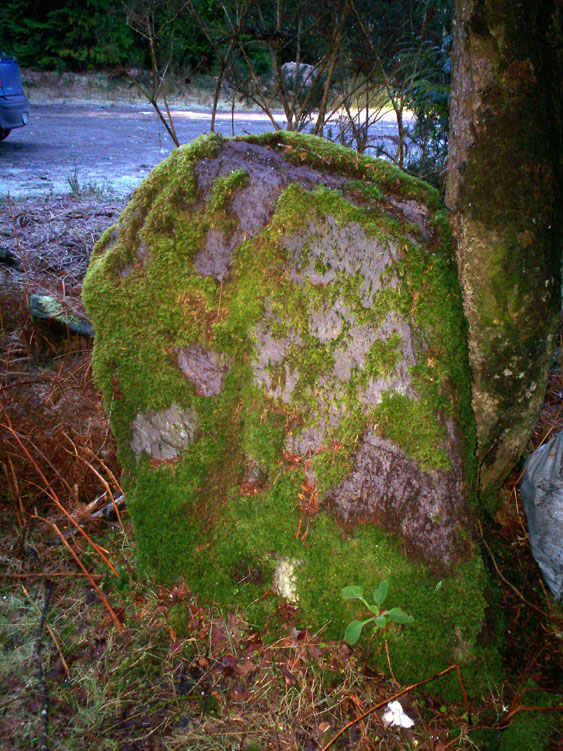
[(396, 696), (509, 584), (98, 475), (48, 490), (522, 708), (395, 681), (50, 630), (101, 595)]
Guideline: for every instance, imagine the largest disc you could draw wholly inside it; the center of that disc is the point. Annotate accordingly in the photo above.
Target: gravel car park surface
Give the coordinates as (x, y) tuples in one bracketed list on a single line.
[(112, 146), (106, 145)]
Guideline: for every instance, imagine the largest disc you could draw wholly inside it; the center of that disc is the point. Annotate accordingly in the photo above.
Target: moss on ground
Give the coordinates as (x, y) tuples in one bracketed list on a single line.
[(225, 512)]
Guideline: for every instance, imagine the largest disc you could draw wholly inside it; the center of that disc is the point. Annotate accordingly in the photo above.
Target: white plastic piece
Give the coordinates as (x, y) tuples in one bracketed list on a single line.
[(395, 717)]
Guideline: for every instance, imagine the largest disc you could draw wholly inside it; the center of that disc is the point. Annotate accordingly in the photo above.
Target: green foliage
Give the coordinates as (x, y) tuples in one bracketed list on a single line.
[(428, 96), (380, 618), (67, 35)]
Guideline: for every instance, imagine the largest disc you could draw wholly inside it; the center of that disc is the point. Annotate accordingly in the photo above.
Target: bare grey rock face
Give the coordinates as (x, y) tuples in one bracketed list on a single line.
[(298, 77), (381, 489), (335, 249), (322, 255), (268, 175), (165, 434), (204, 368), (214, 259)]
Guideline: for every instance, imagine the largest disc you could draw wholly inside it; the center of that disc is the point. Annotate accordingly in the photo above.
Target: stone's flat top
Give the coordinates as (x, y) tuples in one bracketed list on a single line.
[(252, 206)]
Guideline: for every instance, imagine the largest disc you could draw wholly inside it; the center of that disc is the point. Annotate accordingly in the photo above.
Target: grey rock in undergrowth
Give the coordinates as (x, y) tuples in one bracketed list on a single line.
[(542, 495), (48, 308), (298, 78), (8, 257)]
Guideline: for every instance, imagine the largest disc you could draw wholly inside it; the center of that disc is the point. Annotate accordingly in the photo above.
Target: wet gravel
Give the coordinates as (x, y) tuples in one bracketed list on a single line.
[(105, 146)]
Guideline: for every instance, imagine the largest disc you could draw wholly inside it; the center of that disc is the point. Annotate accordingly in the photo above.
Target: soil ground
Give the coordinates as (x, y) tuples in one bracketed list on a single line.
[(110, 147)]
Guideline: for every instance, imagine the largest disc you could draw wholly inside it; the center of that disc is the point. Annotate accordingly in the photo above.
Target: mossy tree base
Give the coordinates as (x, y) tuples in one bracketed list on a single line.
[(280, 342)]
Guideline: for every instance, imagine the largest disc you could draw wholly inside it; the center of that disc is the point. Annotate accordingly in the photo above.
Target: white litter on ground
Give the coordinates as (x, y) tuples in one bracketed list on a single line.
[(395, 717)]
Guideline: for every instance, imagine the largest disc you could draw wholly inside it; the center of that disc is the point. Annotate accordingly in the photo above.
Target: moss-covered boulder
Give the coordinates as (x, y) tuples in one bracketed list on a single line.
[(280, 342)]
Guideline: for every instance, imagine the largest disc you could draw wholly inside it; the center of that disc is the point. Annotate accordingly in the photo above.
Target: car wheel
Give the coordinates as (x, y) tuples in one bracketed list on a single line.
[(4, 132)]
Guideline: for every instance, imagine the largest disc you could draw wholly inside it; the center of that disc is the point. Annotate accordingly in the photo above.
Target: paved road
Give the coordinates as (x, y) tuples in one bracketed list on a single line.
[(103, 144)]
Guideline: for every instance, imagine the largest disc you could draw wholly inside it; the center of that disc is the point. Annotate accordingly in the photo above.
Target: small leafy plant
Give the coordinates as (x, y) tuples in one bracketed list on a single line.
[(380, 618)]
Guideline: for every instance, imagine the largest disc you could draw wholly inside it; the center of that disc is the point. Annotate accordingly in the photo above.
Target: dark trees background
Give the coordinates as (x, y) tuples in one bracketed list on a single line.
[(81, 35), (74, 35)]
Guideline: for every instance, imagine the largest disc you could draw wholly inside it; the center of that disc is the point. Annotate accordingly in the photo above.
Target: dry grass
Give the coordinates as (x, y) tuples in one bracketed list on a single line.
[(119, 87), (179, 675)]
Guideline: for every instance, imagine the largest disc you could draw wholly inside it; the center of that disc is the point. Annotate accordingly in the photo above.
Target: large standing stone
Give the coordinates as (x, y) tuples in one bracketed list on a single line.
[(287, 313)]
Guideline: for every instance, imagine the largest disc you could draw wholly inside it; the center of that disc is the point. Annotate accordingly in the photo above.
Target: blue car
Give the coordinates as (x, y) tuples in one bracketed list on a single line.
[(14, 106)]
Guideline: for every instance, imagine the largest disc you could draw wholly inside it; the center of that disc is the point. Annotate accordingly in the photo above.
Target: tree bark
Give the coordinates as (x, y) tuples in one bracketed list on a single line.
[(504, 193)]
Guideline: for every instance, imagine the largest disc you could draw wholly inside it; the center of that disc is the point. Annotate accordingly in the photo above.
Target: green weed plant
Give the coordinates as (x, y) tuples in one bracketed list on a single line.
[(379, 618)]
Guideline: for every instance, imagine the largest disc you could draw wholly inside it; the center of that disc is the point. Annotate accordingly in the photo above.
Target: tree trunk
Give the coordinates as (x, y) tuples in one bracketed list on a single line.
[(504, 195)]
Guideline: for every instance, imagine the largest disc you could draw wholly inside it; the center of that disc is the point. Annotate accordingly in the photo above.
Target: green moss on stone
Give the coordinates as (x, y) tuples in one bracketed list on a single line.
[(224, 512), (326, 156), (411, 424), (217, 207)]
